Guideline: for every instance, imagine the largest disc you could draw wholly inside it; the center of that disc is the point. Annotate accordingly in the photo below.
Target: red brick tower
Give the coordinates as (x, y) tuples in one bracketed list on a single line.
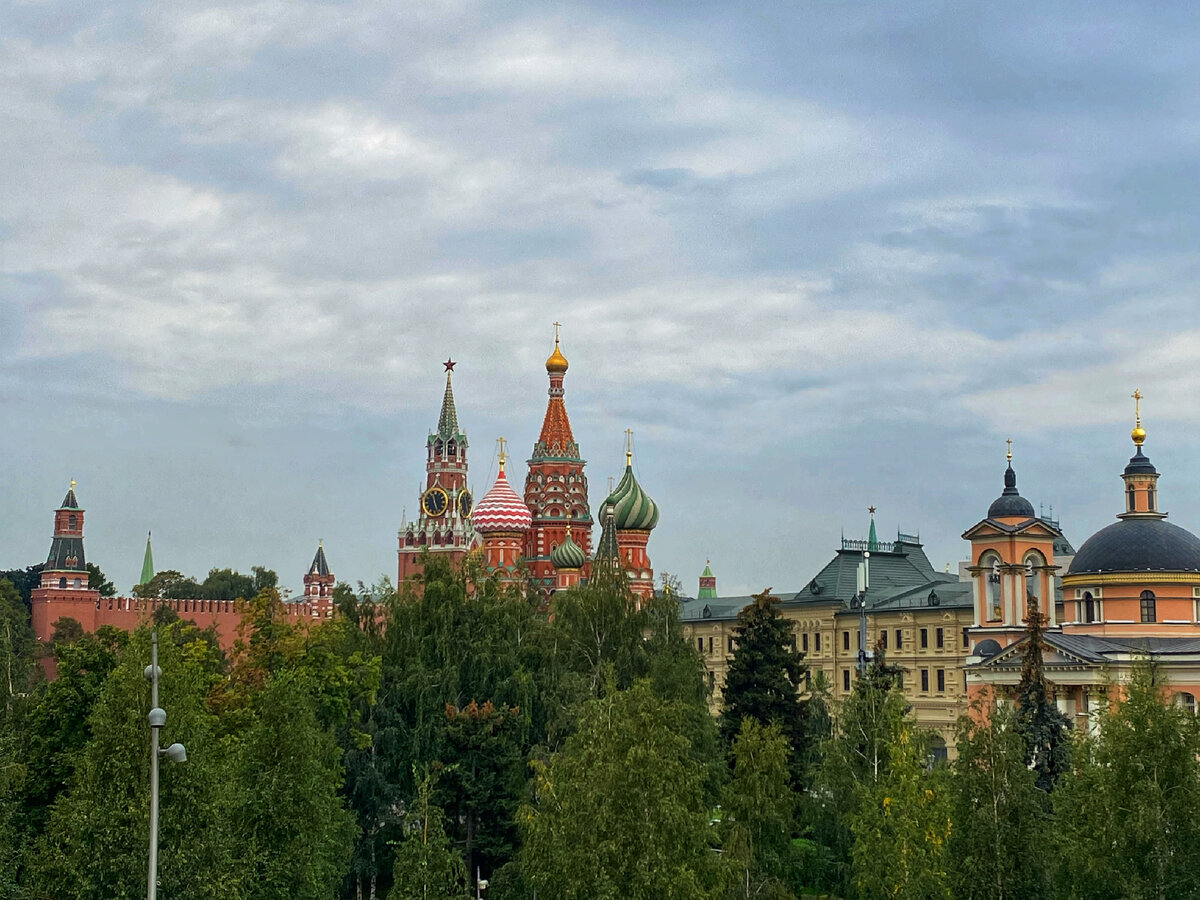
[(63, 590), (318, 585), (444, 523), (502, 520), (555, 488)]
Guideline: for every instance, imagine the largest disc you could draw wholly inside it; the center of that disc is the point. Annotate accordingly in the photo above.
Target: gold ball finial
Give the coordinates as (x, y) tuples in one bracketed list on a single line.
[(1139, 433), (557, 363)]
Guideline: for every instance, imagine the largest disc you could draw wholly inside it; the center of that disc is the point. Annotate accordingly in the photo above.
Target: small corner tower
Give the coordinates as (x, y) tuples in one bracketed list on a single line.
[(445, 503), (318, 585), (1140, 476), (555, 489), (63, 589), (502, 519), (1012, 565)]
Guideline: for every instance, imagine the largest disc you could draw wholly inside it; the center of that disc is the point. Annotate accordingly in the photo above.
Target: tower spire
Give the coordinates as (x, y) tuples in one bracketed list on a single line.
[(1139, 433), (147, 563), (448, 420)]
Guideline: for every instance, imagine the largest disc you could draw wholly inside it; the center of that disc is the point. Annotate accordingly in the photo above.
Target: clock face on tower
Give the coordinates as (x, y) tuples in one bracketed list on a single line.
[(435, 501), (465, 503)]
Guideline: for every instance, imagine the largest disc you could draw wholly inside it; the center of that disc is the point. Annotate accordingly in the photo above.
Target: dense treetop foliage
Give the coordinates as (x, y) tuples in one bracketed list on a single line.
[(408, 746)]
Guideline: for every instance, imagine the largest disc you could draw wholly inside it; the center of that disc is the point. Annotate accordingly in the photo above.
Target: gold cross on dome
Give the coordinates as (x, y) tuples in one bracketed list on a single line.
[(628, 446), (1008, 453), (557, 325), (1137, 405), (501, 444)]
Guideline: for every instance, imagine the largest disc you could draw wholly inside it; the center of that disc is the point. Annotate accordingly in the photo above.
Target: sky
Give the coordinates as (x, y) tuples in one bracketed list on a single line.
[(816, 256)]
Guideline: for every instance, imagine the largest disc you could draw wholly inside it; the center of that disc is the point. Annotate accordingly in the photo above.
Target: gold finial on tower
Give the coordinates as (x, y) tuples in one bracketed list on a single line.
[(1008, 452), (1139, 433), (501, 443), (568, 530), (73, 484), (628, 447), (557, 363)]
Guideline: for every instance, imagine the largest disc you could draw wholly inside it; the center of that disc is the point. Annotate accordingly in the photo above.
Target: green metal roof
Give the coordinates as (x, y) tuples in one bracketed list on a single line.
[(147, 563)]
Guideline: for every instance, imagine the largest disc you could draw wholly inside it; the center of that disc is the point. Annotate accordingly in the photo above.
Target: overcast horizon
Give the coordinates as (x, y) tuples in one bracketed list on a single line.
[(818, 257)]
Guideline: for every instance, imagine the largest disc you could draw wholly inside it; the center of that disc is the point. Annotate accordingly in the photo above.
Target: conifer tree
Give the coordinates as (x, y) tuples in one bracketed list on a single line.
[(1046, 728), (765, 677)]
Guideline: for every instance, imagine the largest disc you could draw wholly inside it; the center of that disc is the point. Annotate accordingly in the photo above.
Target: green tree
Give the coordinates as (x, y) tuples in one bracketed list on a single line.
[(427, 865), (94, 842), (757, 812), (619, 811), (1046, 728), (856, 758), (16, 649), (1128, 818), (1001, 818), (97, 581), (168, 584), (765, 678), (293, 833), (24, 580), (901, 825)]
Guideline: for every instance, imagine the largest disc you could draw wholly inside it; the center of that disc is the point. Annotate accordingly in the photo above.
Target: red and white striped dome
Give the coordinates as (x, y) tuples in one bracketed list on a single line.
[(501, 509)]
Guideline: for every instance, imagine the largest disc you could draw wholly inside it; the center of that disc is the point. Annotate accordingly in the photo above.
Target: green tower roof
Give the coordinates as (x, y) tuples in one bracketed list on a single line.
[(147, 563)]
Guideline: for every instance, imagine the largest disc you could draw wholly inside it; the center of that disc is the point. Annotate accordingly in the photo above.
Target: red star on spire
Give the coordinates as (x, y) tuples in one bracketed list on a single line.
[(871, 510), (449, 364)]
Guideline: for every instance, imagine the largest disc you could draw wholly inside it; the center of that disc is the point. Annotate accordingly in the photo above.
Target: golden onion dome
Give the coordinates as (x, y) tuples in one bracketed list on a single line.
[(557, 363)]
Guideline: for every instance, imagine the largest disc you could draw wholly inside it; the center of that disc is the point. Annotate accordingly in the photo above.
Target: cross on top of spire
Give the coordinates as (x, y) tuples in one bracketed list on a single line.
[(1008, 452), (628, 447), (1137, 405)]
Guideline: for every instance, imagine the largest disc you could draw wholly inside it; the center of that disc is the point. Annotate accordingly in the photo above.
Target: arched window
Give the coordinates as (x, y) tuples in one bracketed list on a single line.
[(1089, 607), (1033, 577), (1186, 700), (995, 610), (1130, 495), (451, 448), (1148, 611), (62, 582), (1150, 499), (71, 521)]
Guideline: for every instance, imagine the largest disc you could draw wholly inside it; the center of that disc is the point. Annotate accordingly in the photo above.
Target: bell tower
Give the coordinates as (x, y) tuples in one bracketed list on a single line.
[(443, 524), (1012, 565)]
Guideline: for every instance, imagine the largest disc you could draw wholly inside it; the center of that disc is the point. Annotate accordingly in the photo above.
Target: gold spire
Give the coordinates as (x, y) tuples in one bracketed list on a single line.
[(557, 363), (1008, 452), (568, 530), (73, 484), (1139, 433), (501, 443), (628, 448)]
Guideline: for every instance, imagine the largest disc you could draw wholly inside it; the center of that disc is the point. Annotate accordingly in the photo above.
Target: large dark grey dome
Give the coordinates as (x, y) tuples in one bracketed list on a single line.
[(1138, 545), (1010, 503)]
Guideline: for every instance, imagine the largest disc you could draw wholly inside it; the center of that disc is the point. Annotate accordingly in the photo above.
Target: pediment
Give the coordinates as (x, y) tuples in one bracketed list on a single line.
[(991, 528), (1053, 657)]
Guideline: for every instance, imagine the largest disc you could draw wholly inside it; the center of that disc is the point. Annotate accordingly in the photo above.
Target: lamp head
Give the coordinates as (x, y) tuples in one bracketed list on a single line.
[(158, 717), (176, 753)]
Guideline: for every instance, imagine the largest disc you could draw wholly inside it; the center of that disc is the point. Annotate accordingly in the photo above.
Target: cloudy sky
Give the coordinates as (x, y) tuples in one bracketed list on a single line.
[(816, 255)]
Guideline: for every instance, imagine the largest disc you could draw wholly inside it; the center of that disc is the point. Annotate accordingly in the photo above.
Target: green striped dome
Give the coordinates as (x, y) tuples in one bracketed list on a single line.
[(567, 555), (633, 510)]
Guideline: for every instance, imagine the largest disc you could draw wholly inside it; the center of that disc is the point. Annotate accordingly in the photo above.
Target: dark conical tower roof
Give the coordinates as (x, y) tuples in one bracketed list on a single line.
[(319, 565), (69, 501)]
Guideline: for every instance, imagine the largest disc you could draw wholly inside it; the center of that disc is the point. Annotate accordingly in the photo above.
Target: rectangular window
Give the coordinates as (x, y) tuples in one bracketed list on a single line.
[(899, 638), (845, 679), (1147, 606), (700, 645), (792, 641), (941, 681), (845, 640), (710, 646), (857, 641), (900, 679), (940, 637), (924, 638), (883, 638), (817, 642), (966, 640), (804, 642), (924, 681)]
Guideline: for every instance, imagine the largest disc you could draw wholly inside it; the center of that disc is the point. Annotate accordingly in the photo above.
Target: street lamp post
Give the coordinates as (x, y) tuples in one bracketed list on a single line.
[(860, 600), (176, 752)]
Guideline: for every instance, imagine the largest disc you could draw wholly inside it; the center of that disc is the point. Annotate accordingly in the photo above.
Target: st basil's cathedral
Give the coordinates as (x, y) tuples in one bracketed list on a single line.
[(544, 538)]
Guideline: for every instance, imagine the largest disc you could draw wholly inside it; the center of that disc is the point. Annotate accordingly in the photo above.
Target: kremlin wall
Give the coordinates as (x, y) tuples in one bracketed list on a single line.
[(1131, 591)]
